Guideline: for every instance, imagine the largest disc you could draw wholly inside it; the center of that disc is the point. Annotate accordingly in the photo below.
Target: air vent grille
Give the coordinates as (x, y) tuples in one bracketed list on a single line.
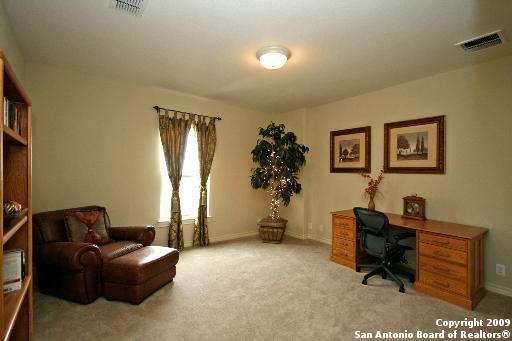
[(133, 7), (482, 42)]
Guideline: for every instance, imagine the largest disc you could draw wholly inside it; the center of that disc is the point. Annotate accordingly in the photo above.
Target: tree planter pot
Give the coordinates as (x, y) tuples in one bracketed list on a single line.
[(272, 231)]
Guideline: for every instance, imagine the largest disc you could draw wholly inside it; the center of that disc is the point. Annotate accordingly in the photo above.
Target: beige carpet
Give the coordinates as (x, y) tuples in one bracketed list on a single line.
[(247, 290)]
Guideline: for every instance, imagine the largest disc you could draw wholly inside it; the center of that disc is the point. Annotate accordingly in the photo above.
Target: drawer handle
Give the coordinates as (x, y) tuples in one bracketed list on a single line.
[(436, 242), (446, 285), (445, 270), (442, 254)]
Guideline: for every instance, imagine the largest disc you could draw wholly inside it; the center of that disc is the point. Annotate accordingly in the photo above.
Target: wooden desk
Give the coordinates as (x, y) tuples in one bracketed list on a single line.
[(449, 257)]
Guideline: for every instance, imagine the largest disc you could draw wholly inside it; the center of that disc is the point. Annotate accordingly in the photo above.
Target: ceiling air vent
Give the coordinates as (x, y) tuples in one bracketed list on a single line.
[(133, 7), (482, 42)]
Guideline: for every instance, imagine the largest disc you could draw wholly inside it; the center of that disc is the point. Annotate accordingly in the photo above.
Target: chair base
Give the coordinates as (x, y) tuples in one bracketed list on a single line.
[(385, 271)]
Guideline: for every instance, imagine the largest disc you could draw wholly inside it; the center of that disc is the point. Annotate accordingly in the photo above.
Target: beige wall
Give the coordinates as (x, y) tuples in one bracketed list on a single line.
[(96, 140), (9, 45), (477, 186)]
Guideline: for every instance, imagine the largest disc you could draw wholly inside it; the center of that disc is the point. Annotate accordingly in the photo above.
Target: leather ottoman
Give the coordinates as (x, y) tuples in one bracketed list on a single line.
[(138, 274)]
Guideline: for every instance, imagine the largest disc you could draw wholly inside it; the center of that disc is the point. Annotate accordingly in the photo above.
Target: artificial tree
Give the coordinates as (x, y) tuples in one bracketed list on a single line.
[(279, 158)]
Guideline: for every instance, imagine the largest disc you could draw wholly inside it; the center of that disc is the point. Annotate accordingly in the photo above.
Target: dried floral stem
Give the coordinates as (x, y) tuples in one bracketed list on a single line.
[(373, 184)]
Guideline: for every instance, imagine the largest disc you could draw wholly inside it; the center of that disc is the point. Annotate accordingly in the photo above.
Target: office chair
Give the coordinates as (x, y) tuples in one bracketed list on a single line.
[(373, 227)]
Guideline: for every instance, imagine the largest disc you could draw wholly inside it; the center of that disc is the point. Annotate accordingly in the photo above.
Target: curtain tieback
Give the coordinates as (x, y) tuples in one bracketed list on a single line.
[(203, 196), (175, 203)]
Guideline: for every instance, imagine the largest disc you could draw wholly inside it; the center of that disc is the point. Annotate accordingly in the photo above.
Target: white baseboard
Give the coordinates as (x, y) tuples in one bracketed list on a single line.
[(300, 236), (224, 237), (221, 238), (499, 289), (320, 239), (307, 236)]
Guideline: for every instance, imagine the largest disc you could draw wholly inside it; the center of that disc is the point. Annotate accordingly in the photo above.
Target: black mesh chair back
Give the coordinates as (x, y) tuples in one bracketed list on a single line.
[(373, 228)]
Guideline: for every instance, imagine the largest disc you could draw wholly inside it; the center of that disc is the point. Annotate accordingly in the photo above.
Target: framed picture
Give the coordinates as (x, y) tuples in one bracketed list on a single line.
[(414, 207), (415, 146), (350, 150)]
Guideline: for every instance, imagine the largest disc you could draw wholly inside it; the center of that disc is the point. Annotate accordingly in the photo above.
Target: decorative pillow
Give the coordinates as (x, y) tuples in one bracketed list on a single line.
[(86, 227), (75, 229), (92, 237)]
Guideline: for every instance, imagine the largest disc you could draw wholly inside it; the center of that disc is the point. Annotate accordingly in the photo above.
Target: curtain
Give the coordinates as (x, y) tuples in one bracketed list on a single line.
[(206, 141), (173, 134)]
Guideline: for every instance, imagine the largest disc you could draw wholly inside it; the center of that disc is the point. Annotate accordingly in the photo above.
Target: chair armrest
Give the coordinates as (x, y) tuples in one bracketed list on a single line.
[(68, 255), (139, 234), (404, 235)]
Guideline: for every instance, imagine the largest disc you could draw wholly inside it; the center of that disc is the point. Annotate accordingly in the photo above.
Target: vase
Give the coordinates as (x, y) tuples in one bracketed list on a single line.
[(371, 204)]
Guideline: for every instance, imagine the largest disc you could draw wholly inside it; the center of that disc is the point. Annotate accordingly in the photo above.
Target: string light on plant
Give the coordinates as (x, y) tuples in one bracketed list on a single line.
[(277, 174)]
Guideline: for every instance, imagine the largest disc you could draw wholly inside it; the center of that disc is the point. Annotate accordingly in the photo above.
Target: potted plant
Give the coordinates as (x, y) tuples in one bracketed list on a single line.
[(279, 158)]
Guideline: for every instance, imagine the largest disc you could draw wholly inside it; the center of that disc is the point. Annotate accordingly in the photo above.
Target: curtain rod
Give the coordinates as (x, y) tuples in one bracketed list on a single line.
[(157, 108)]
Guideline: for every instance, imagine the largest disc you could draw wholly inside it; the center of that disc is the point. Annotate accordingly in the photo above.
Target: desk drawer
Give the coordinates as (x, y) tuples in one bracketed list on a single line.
[(443, 283), (443, 241), (443, 253), (344, 244), (342, 233), (343, 223), (343, 248), (454, 271)]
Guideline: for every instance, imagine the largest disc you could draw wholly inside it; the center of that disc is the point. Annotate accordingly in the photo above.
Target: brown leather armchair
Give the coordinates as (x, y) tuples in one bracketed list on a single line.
[(72, 270)]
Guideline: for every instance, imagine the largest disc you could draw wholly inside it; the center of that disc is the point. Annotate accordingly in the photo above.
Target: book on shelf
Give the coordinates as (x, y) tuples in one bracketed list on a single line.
[(14, 269), (12, 115)]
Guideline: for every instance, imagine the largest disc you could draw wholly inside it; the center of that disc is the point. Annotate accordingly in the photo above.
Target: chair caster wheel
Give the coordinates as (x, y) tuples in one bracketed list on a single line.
[(402, 290), (364, 282), (358, 269), (384, 276)]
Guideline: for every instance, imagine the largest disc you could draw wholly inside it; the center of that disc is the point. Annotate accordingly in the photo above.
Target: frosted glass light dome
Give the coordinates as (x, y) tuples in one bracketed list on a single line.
[(273, 57)]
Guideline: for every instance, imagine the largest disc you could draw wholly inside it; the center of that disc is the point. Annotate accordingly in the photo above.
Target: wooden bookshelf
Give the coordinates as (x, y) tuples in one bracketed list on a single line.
[(11, 136), (13, 302), (16, 184)]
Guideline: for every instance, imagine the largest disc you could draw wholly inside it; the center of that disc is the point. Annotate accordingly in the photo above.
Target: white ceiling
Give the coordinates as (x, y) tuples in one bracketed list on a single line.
[(340, 48)]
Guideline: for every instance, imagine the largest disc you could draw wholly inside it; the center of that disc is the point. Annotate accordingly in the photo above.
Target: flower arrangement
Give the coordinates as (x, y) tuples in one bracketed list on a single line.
[(373, 187)]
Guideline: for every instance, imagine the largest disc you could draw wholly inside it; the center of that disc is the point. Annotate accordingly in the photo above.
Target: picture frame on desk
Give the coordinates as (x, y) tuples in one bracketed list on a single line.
[(415, 146), (414, 207), (350, 150)]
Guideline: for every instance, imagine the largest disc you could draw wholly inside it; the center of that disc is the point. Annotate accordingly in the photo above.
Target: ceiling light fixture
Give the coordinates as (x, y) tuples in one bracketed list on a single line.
[(273, 57)]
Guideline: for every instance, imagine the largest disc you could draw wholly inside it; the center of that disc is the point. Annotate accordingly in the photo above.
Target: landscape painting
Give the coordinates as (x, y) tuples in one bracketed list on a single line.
[(412, 146), (350, 150), (415, 146)]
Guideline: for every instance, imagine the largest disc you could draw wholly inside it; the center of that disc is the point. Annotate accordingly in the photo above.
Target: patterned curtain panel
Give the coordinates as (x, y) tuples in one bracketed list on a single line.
[(173, 134), (206, 141)]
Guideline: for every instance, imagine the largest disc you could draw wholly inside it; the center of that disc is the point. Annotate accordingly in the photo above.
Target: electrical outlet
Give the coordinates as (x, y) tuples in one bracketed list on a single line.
[(310, 226), (500, 270), (321, 228)]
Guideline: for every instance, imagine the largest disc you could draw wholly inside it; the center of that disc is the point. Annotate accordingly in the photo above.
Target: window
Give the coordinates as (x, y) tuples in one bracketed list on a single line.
[(190, 182)]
